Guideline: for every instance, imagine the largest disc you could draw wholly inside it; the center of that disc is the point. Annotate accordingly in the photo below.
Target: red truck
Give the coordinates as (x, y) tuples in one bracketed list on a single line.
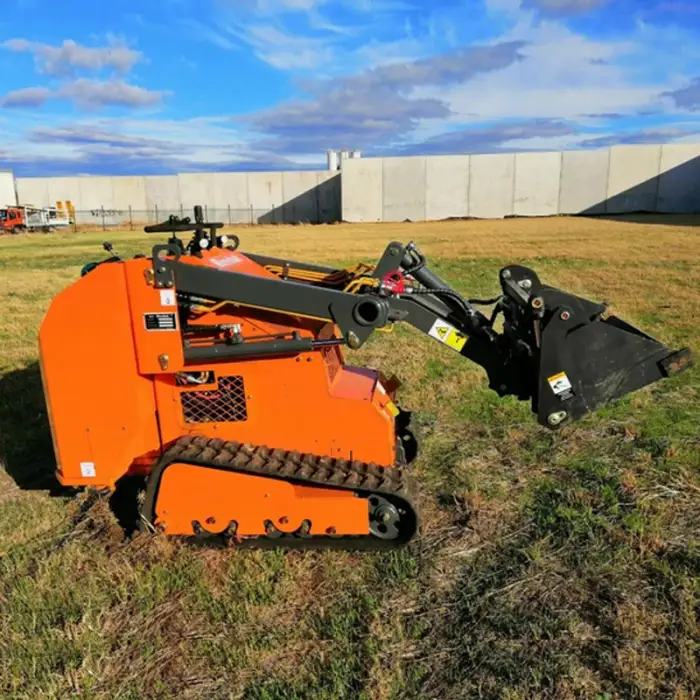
[(18, 219)]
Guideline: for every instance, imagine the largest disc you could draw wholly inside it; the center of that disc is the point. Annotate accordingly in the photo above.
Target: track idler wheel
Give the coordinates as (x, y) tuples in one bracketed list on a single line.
[(384, 518)]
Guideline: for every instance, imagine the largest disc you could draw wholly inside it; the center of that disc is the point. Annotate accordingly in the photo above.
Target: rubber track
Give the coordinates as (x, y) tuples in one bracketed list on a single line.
[(365, 479)]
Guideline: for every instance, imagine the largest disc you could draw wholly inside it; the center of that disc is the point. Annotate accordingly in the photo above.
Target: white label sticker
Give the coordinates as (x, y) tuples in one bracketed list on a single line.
[(87, 469), (560, 383), (167, 297), (448, 335)]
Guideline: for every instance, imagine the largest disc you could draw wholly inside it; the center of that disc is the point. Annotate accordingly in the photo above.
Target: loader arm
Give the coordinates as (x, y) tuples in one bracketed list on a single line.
[(556, 350)]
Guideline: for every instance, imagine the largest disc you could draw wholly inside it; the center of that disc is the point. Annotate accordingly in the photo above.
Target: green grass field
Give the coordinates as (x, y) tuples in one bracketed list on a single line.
[(550, 566)]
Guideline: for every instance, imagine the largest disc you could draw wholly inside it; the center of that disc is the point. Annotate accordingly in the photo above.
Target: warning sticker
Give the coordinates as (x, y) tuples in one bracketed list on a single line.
[(167, 297), (87, 469), (448, 335), (456, 340), (160, 322), (560, 383)]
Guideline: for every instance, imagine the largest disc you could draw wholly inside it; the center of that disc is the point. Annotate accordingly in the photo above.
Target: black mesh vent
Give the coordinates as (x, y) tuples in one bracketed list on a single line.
[(225, 405)]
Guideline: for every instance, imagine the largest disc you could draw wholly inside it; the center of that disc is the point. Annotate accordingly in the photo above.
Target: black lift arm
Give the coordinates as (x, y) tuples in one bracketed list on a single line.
[(555, 349)]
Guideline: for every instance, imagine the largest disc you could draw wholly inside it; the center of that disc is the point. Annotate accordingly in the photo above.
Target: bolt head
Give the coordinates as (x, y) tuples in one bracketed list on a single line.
[(556, 418), (525, 284), (506, 274), (353, 340), (537, 303), (565, 315)]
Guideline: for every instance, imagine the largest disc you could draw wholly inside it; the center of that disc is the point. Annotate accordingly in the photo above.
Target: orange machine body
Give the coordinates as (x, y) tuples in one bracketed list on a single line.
[(113, 380)]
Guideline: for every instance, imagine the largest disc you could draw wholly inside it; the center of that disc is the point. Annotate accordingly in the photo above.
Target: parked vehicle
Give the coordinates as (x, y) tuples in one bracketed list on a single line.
[(15, 219)]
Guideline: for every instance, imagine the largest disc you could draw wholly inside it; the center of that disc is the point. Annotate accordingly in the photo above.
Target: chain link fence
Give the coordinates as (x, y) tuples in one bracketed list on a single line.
[(134, 219)]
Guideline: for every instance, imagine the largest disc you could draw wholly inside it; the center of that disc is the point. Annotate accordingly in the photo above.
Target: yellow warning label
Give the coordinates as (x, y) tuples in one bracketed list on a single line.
[(456, 340), (560, 383), (391, 406), (448, 335)]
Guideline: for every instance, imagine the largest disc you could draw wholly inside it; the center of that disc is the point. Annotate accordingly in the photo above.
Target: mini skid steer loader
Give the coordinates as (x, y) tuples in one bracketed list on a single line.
[(218, 377)]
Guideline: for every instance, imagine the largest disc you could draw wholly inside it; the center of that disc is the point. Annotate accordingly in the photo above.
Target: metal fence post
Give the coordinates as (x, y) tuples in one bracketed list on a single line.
[(102, 209), (206, 213), (229, 215), (156, 206), (131, 219), (251, 215)]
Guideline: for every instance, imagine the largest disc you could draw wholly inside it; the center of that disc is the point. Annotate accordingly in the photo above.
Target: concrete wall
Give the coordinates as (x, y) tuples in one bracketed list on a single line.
[(620, 180), (679, 180), (633, 178), (363, 189), (446, 187), (491, 186), (404, 188), (7, 188), (623, 179), (274, 197), (537, 184), (584, 182)]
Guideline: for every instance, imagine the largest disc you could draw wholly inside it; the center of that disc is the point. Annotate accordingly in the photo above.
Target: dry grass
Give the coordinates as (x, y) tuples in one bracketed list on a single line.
[(551, 566)]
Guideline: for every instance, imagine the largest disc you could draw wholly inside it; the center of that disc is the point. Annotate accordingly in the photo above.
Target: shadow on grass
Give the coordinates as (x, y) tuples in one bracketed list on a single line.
[(26, 448)]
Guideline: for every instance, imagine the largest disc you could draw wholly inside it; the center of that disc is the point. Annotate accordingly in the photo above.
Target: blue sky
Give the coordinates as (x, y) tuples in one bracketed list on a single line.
[(164, 86)]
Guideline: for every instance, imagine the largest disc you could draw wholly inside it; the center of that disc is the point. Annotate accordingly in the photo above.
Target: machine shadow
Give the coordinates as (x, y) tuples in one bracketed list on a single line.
[(26, 447)]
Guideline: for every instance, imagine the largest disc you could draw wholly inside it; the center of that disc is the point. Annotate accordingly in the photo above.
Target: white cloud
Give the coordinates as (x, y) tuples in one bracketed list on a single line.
[(70, 56), (282, 49), (564, 75), (85, 93)]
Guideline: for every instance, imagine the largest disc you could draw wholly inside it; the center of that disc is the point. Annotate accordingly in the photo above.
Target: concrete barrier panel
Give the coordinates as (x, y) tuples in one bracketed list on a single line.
[(63, 189), (491, 186), (130, 192), (229, 190), (265, 196), (404, 189), (537, 180), (228, 194), (8, 196), (584, 182), (95, 193), (679, 181), (362, 189), (163, 193), (33, 190), (231, 194), (328, 188), (447, 187), (633, 180), (300, 197), (195, 188)]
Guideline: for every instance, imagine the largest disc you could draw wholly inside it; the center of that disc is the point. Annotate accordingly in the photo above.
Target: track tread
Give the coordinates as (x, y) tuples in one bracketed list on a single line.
[(363, 478)]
